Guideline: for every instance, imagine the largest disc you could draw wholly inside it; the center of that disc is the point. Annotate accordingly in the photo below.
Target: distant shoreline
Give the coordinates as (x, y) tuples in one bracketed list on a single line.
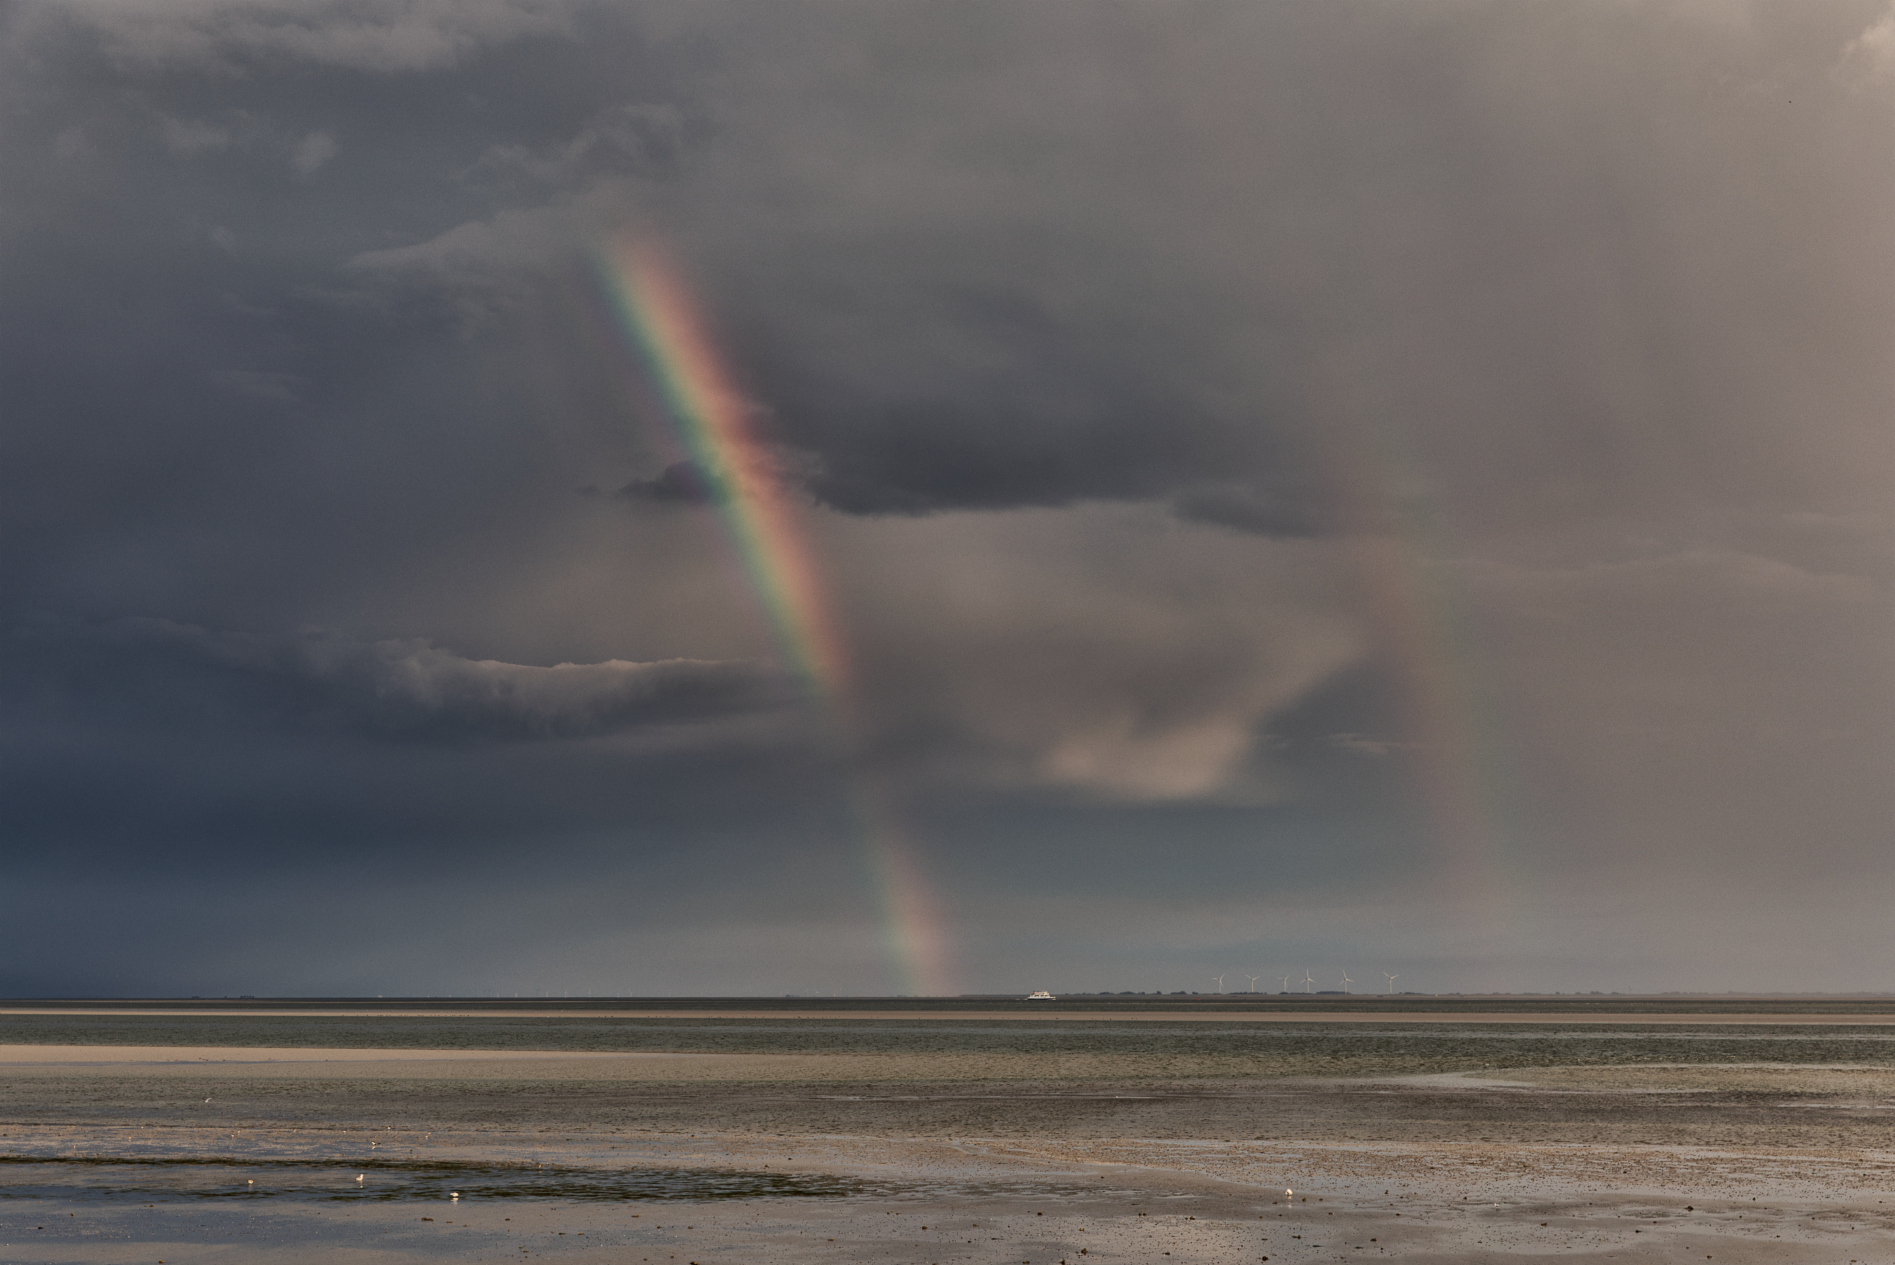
[(1405, 1010)]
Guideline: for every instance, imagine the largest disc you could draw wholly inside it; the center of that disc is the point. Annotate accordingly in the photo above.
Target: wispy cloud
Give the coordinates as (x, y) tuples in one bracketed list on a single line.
[(373, 35), (413, 688)]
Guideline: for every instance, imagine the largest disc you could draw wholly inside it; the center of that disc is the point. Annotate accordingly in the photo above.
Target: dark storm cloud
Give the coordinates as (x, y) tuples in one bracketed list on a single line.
[(1011, 342), (1048, 426), (1215, 422), (681, 481)]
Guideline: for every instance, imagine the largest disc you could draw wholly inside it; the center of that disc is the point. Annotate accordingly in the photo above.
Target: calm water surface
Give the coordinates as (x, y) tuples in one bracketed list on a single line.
[(1344, 1049)]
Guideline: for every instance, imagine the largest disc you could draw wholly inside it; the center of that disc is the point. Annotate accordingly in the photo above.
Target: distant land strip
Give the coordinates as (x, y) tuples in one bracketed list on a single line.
[(1405, 1010)]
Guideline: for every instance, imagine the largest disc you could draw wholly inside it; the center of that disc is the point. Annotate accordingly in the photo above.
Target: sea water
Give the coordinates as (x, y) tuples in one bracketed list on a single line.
[(1267, 1048)]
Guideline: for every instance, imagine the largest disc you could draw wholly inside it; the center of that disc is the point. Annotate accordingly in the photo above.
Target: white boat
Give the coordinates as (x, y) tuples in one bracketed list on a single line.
[(1040, 994)]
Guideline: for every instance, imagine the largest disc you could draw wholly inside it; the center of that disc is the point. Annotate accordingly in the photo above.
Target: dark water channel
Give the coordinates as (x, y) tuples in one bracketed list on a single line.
[(140, 1180), (120, 1179)]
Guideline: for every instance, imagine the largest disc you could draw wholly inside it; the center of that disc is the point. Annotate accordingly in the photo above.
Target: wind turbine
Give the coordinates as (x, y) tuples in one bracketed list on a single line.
[(1309, 981), (1220, 982), (1391, 981), (1253, 981), (1286, 983), (1346, 981)]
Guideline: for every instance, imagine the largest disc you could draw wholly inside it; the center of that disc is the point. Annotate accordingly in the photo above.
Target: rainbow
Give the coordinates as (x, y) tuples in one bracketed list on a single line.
[(1456, 745), (713, 421), (712, 418)]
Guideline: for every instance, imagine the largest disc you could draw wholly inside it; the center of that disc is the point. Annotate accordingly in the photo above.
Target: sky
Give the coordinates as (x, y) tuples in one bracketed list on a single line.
[(745, 498)]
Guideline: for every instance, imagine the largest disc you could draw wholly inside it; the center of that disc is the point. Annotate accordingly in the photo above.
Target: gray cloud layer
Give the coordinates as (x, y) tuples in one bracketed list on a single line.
[(1399, 483)]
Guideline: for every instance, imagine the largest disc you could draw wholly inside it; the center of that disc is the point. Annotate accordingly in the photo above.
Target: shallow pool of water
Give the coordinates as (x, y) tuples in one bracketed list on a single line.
[(155, 1180)]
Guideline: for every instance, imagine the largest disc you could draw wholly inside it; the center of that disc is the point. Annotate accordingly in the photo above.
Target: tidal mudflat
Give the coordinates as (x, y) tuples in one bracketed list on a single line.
[(968, 1138)]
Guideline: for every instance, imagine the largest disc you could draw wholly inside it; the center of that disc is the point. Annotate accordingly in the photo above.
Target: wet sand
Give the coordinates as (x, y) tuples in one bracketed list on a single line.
[(1002, 1158)]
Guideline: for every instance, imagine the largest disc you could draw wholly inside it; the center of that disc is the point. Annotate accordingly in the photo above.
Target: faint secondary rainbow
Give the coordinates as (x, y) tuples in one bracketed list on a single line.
[(1454, 739), (712, 418)]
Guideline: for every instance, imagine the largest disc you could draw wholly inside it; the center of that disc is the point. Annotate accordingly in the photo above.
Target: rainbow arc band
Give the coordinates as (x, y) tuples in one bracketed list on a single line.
[(712, 419)]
